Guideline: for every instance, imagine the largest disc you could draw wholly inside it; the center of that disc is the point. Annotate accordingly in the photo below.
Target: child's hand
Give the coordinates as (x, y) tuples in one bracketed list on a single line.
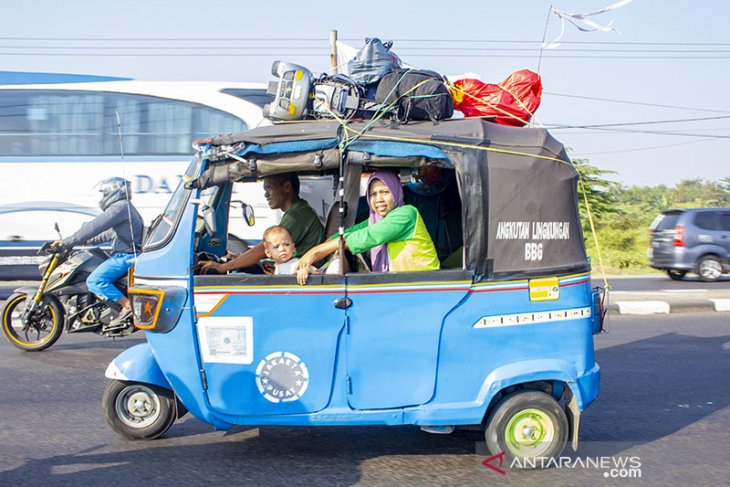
[(302, 275)]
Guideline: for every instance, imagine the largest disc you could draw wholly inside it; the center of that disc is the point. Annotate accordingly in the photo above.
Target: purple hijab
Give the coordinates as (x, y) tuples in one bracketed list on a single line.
[(379, 254)]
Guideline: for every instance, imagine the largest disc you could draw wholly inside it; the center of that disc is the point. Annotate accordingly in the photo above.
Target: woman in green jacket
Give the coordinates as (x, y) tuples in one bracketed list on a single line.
[(394, 233)]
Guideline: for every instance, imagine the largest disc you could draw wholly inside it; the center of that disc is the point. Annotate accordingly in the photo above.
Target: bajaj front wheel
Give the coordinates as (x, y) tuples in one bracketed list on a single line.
[(530, 427), (35, 331), (139, 411)]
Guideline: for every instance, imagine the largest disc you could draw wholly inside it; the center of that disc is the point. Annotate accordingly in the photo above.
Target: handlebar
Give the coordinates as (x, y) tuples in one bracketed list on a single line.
[(47, 248)]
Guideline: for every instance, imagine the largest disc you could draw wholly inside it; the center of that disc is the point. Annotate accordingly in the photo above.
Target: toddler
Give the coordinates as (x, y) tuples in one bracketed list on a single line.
[(280, 247)]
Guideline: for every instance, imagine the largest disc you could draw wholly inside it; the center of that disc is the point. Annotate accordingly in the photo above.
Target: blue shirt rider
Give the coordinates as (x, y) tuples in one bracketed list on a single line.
[(121, 224)]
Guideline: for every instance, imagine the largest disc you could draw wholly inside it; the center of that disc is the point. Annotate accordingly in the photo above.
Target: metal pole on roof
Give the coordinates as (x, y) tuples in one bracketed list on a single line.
[(333, 51)]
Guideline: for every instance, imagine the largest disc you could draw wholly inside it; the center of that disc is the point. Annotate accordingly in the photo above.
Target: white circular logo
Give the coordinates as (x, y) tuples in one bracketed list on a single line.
[(282, 377)]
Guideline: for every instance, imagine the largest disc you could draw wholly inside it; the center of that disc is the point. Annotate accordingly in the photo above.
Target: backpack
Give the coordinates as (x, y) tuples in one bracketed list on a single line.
[(340, 97), (416, 94), (335, 96)]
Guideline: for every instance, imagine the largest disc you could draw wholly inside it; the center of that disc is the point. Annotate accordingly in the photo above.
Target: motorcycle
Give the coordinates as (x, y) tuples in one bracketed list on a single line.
[(34, 319)]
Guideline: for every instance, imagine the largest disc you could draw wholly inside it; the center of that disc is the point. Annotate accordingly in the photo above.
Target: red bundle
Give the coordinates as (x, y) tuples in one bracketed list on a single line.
[(512, 102)]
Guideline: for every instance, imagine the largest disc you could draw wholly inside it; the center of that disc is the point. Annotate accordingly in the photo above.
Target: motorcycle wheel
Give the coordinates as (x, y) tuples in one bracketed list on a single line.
[(139, 411), (43, 331)]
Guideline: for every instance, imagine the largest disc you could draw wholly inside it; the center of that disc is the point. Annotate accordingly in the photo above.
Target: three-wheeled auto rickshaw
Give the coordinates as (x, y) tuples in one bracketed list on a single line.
[(501, 337)]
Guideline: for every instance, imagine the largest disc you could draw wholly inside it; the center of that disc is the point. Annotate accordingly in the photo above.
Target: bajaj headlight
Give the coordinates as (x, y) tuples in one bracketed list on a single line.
[(157, 309)]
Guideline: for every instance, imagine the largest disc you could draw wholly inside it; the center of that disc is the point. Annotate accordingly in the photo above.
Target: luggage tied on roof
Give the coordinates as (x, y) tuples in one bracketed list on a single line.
[(377, 85)]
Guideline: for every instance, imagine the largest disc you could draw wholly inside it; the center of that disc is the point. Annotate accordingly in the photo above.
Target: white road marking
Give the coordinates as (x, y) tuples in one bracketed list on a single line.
[(721, 304), (642, 307)]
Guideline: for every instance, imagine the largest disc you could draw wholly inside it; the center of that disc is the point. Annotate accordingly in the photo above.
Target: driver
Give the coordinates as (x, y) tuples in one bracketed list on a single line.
[(121, 224), (306, 230)]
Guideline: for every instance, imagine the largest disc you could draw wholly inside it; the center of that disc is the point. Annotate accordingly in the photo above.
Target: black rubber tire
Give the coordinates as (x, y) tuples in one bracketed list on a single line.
[(155, 414), (181, 409), (676, 274), (713, 266), (51, 325), (520, 406)]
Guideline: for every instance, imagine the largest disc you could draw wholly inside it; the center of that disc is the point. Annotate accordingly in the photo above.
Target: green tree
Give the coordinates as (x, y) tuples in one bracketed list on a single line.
[(598, 191), (690, 193)]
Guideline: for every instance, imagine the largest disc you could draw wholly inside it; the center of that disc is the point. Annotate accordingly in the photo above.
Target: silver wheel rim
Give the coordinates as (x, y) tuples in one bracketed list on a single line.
[(710, 269), (137, 406)]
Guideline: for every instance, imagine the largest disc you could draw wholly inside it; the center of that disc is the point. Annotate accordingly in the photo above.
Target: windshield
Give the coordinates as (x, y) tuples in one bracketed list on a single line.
[(163, 225), (665, 221)]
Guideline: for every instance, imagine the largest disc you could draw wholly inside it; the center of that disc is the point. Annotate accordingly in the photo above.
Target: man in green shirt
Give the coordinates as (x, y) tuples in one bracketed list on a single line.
[(282, 193)]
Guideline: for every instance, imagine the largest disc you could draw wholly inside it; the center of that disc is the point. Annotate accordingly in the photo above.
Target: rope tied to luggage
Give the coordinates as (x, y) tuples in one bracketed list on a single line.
[(379, 114)]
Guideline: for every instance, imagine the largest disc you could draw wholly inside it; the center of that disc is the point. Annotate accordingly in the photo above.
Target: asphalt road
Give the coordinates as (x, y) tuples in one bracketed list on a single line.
[(664, 403)]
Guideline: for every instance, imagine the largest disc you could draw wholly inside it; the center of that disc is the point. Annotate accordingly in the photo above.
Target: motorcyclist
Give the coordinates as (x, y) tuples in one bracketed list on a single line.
[(121, 224)]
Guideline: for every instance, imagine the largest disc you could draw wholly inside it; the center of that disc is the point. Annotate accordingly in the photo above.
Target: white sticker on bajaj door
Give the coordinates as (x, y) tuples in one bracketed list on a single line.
[(226, 339), (533, 318)]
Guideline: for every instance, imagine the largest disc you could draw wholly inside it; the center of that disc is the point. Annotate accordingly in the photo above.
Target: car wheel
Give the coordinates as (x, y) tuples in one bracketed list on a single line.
[(676, 274), (527, 425), (709, 268)]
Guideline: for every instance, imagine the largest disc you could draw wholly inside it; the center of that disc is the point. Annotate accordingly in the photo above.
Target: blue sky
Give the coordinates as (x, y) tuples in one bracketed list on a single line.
[(669, 62)]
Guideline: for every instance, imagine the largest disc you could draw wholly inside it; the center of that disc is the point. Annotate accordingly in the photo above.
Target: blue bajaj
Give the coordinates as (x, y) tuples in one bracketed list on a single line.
[(500, 337)]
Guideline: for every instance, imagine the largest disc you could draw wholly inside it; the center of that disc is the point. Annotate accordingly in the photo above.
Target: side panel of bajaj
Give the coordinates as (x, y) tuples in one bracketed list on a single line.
[(487, 348), (395, 327), (268, 346)]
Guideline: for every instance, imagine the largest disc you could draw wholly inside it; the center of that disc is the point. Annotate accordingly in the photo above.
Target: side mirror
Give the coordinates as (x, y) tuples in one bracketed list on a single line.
[(248, 215), (247, 211)]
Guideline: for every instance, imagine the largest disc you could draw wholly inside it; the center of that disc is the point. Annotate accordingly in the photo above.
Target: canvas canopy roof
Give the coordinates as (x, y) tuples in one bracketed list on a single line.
[(517, 185)]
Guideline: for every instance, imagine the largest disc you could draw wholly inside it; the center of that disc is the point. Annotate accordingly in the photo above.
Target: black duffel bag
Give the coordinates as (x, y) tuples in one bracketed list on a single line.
[(417, 95)]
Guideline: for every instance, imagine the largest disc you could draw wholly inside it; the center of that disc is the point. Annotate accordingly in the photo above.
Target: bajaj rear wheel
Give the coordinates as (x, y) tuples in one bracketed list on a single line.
[(527, 426), (139, 411), (41, 331)]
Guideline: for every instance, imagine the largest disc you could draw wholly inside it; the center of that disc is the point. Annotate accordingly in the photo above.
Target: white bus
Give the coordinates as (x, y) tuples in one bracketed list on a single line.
[(62, 134)]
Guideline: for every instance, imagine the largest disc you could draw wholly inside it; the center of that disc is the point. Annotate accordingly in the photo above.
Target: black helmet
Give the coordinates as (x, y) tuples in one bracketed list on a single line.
[(113, 190)]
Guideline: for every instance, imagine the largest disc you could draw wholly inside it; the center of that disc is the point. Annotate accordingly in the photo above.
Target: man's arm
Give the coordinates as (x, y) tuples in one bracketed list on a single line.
[(246, 259), (101, 223), (105, 236)]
